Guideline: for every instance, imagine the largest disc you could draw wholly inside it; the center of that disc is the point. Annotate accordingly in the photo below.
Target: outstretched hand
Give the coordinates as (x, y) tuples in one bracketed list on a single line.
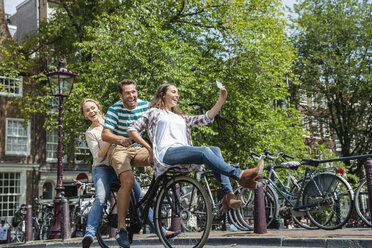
[(223, 93)]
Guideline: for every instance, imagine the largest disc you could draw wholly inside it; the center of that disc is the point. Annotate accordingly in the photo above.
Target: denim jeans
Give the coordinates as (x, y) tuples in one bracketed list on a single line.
[(211, 156), (102, 178)]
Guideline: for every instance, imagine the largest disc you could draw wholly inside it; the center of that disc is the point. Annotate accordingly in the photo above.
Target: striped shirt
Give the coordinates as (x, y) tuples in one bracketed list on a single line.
[(118, 118)]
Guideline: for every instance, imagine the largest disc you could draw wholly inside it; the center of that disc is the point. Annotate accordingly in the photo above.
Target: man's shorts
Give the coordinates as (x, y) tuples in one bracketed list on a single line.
[(122, 158)]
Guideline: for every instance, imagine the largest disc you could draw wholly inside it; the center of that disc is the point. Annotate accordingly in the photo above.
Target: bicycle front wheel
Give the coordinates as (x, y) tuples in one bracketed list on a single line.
[(362, 203), (330, 201), (183, 205)]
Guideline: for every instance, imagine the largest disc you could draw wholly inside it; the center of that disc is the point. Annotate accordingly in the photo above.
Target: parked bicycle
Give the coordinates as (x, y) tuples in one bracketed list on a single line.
[(362, 205), (321, 197), (80, 210), (177, 199)]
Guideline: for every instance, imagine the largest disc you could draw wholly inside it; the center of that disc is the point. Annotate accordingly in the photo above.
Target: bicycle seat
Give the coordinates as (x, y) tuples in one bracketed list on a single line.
[(292, 165)]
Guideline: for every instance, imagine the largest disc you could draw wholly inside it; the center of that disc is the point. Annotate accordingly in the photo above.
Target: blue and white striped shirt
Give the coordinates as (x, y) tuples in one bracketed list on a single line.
[(119, 118)]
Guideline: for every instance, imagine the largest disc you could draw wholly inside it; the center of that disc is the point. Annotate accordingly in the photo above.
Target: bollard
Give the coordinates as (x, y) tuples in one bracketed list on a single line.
[(29, 223), (259, 209), (66, 221), (368, 168)]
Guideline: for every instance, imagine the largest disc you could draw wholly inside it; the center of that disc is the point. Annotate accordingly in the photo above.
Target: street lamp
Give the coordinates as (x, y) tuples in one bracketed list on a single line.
[(61, 81)]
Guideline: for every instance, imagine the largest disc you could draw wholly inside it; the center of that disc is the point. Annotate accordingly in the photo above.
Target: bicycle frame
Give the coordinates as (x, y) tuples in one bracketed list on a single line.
[(309, 174)]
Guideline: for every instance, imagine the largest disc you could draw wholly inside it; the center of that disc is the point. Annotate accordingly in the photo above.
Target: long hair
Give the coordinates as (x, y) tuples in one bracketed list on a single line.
[(93, 101), (158, 101)]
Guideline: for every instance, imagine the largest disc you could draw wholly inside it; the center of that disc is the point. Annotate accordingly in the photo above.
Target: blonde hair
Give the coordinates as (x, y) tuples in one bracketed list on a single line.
[(93, 101), (158, 101)]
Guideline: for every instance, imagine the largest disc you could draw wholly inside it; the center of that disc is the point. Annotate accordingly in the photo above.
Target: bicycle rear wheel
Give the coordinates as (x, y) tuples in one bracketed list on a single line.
[(330, 200), (362, 203), (185, 206)]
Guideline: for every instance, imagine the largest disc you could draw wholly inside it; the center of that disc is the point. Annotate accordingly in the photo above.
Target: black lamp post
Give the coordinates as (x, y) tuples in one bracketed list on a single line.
[(61, 81)]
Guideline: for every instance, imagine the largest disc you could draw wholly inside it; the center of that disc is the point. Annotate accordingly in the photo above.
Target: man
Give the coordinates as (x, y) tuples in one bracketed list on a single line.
[(124, 153), (4, 228)]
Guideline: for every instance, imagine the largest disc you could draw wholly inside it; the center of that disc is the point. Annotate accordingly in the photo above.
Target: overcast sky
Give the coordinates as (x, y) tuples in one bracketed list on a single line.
[(10, 5)]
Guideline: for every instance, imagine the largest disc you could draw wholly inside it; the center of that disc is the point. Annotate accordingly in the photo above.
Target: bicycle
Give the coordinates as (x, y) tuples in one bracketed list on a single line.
[(322, 196), (179, 201), (80, 210), (362, 205)]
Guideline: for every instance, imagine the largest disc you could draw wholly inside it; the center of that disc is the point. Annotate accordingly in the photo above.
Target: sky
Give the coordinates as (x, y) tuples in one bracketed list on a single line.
[(10, 5)]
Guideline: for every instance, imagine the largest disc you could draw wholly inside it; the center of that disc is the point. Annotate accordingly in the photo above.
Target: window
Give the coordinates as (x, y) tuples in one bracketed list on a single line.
[(338, 145), (314, 126), (303, 97), (10, 86), (10, 193), (305, 123), (48, 191), (81, 149), (52, 146), (17, 137)]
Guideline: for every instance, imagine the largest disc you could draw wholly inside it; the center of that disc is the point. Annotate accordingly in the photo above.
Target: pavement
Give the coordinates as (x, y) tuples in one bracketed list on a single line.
[(341, 238)]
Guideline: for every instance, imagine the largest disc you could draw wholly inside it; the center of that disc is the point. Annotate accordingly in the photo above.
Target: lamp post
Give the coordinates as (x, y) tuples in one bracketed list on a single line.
[(61, 81)]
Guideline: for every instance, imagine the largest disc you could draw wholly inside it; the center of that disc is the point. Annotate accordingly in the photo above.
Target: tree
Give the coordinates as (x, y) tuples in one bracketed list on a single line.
[(4, 31), (191, 44), (333, 39)]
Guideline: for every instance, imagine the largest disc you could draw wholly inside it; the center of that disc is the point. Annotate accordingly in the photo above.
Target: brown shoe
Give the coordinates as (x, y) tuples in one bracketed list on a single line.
[(248, 177), (230, 201)]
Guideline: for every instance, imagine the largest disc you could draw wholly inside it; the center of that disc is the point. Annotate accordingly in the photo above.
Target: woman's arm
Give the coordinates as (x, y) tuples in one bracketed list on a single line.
[(104, 150), (137, 137), (217, 107)]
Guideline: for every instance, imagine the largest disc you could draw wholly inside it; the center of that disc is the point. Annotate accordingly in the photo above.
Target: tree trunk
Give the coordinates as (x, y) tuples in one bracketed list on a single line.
[(4, 31)]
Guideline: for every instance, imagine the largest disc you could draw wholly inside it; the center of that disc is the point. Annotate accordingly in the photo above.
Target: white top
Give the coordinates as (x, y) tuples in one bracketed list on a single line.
[(95, 144), (171, 132), (4, 231)]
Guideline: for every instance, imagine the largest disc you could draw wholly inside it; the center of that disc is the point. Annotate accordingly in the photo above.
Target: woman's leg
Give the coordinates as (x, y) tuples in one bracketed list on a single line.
[(211, 156), (102, 179)]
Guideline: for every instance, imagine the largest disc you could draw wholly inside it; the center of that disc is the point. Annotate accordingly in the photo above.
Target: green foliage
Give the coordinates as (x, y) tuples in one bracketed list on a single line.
[(191, 44), (333, 39)]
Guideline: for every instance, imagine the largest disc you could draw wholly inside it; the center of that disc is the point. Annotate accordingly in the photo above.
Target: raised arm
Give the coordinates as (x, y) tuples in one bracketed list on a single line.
[(217, 107)]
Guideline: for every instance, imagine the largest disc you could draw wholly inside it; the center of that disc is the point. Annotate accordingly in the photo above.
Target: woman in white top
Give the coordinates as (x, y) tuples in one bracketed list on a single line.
[(102, 173), (169, 132)]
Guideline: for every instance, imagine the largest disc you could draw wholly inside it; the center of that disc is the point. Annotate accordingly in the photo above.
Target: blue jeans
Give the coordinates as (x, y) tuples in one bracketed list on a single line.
[(211, 156), (102, 178)]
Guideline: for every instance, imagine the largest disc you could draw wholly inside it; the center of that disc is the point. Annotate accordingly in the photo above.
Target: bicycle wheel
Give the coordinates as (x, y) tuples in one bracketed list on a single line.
[(46, 226), (183, 205), (233, 219), (362, 203), (300, 217), (246, 212), (19, 233), (330, 201)]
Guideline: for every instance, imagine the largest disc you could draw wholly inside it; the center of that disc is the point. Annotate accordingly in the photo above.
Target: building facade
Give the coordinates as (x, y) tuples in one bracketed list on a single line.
[(28, 153)]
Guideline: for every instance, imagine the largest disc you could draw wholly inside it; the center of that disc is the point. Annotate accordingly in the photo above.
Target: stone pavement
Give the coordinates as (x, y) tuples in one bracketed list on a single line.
[(341, 238)]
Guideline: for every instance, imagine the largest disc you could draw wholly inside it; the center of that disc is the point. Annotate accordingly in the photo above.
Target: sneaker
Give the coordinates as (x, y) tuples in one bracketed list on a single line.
[(170, 234), (122, 238), (87, 241)]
